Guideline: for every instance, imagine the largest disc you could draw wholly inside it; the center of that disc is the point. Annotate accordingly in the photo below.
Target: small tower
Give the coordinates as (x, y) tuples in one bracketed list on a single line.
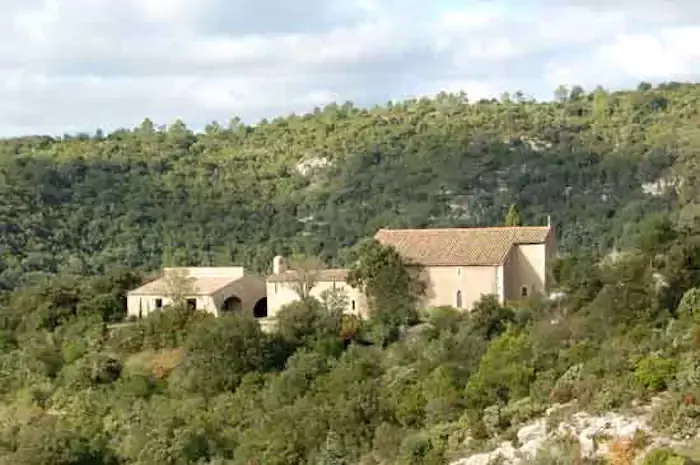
[(279, 265)]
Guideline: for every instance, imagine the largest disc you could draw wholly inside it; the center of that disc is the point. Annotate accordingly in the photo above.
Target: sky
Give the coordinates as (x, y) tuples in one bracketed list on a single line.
[(71, 66)]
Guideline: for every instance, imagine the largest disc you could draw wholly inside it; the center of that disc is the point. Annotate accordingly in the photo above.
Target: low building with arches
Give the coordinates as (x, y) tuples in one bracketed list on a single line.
[(217, 290)]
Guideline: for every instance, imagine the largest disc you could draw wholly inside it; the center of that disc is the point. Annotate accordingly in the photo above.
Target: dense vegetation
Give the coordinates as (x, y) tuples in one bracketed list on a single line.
[(83, 217), (234, 194)]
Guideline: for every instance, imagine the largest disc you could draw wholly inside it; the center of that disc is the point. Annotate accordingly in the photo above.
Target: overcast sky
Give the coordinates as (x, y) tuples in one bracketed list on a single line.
[(76, 65)]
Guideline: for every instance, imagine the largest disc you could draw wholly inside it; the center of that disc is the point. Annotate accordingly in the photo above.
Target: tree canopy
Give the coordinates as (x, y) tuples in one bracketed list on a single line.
[(318, 183)]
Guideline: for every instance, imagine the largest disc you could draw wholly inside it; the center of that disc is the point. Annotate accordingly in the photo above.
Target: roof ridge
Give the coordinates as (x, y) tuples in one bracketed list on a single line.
[(466, 228), (158, 285)]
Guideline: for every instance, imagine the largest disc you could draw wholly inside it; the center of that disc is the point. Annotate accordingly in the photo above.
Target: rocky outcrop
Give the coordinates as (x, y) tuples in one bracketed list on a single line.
[(594, 436)]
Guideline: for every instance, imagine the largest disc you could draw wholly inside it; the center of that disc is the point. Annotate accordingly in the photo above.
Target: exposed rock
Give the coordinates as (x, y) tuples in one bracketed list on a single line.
[(597, 436), (661, 186), (311, 164), (505, 452)]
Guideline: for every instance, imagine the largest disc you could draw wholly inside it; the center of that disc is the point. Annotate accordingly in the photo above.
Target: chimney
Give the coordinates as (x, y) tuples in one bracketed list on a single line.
[(279, 265)]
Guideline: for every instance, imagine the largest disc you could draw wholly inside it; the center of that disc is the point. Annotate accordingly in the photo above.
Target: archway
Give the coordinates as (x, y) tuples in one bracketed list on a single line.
[(260, 308), (231, 305)]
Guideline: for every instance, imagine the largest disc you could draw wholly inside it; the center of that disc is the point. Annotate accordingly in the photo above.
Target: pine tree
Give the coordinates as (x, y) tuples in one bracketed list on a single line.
[(513, 217)]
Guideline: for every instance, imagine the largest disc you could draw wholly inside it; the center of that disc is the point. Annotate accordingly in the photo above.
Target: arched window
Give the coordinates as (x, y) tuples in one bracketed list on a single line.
[(459, 299), (523, 291)]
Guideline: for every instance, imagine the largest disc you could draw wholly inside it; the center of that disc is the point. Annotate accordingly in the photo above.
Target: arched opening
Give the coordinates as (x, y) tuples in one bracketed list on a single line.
[(459, 299), (231, 305), (260, 308)]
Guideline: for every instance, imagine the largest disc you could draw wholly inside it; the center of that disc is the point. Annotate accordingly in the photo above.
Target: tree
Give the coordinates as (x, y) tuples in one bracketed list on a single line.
[(561, 94), (179, 285), (219, 352), (306, 273), (505, 371), (576, 92), (489, 319), (393, 288), (513, 217)]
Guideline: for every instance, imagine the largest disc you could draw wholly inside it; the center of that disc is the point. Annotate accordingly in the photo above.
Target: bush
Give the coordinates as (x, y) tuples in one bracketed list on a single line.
[(664, 456), (219, 353), (418, 449), (307, 323), (676, 417), (444, 318), (505, 372), (489, 319), (523, 410), (689, 306), (655, 373)]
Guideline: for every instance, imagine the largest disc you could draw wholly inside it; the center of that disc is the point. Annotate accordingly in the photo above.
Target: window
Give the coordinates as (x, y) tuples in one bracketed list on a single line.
[(353, 305), (459, 271), (275, 288), (159, 303), (523, 291), (192, 304), (459, 299), (334, 285)]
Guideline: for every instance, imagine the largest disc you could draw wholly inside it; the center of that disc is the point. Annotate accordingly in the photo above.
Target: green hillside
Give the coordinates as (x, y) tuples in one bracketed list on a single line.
[(82, 218), (234, 194)]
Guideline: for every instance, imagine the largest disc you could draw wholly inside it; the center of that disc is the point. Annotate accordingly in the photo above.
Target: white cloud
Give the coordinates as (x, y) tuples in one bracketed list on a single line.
[(68, 65), (670, 52)]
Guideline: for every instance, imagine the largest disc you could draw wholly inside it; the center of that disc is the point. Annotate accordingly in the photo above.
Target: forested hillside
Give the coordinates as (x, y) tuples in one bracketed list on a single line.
[(240, 194), (83, 217)]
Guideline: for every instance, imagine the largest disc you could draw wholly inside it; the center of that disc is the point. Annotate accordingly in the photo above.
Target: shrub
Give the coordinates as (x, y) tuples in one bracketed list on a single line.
[(523, 410), (676, 418), (307, 322), (444, 318), (664, 456), (689, 306), (417, 449), (654, 372), (489, 318), (505, 371), (219, 353)]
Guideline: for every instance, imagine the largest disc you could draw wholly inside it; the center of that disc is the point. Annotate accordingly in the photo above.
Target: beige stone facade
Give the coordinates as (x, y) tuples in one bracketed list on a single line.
[(283, 284), (460, 265), (216, 290)]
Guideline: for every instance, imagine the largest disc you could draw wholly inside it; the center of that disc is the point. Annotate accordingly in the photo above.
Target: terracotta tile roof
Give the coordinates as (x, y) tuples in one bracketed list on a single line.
[(201, 286), (334, 274), (460, 246)]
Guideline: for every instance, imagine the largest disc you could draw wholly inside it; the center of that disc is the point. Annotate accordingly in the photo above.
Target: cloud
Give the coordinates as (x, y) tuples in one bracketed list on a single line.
[(75, 65)]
